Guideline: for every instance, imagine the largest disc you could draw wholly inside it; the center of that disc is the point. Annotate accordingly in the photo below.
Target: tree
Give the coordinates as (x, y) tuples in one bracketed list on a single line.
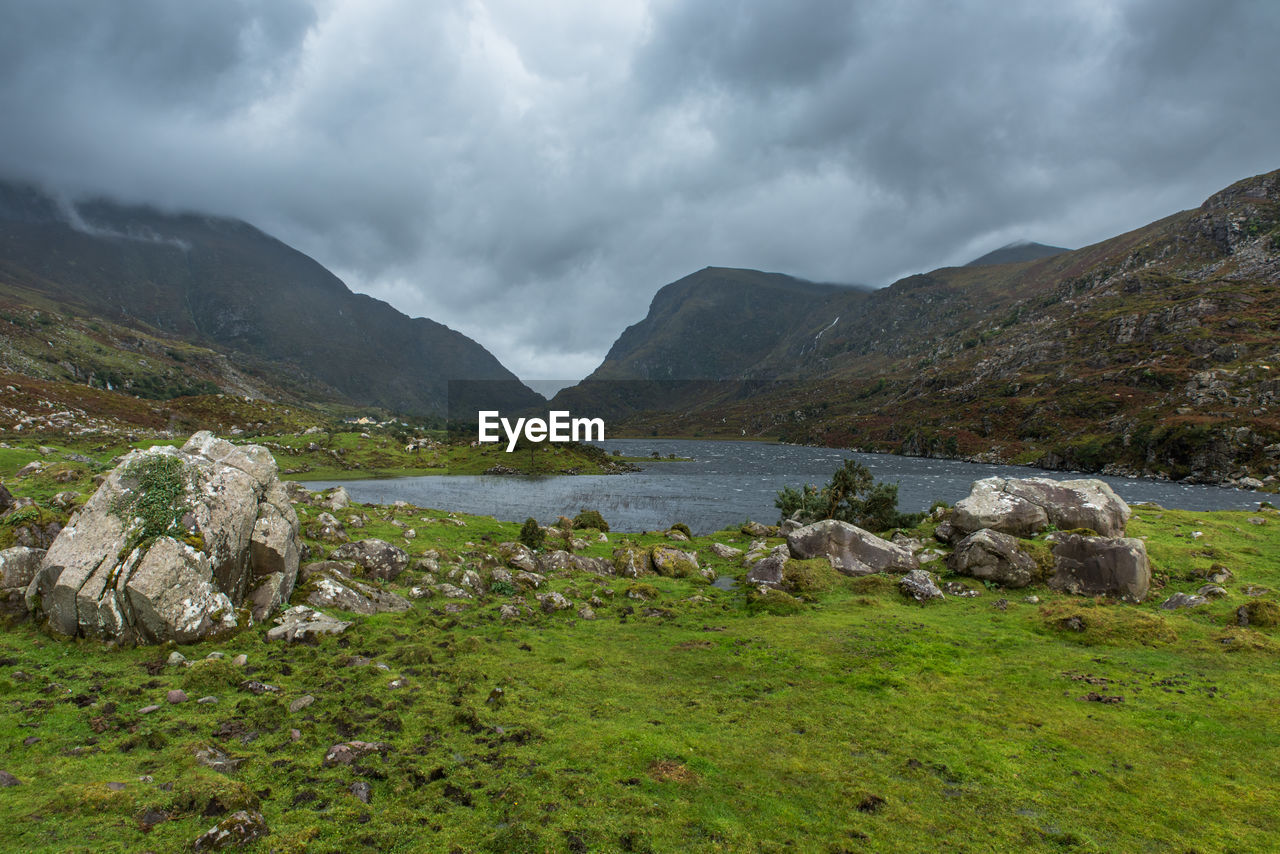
[(852, 496)]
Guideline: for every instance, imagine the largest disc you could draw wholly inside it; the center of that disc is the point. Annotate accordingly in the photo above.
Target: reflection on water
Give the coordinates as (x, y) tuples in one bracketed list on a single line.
[(725, 483)]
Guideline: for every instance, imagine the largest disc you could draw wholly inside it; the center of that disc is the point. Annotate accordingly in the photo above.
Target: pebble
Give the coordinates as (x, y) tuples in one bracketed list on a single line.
[(207, 700), (146, 710), (214, 656), (240, 660), (177, 695), (176, 658), (301, 703), (362, 790), (295, 734)]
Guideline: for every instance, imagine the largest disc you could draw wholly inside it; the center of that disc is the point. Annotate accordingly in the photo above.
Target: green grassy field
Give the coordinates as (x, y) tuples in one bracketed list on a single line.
[(693, 721)]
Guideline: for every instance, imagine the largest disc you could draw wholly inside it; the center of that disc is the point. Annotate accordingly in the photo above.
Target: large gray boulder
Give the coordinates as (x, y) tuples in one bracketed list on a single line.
[(1023, 507), (1101, 566), (850, 549), (18, 567), (177, 544), (993, 556)]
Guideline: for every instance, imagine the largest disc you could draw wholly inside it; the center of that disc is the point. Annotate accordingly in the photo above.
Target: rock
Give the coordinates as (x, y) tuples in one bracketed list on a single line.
[(518, 556), (1182, 600), (186, 584), (339, 499), (769, 569), (350, 752), (586, 613), (531, 580), (1025, 506), (214, 757), (65, 500), (1031, 600), (553, 601), (301, 703), (327, 529), (7, 780), (33, 467), (632, 562), (1211, 591), (362, 791), (240, 660), (554, 561), (920, 586), (146, 710), (1101, 565), (449, 591), (235, 831), (18, 568), (677, 536), (955, 588), (330, 585), (755, 529), (673, 563), (992, 556), (508, 612), (379, 558), (301, 623), (850, 549), (945, 532), (175, 659), (726, 552), (177, 695)]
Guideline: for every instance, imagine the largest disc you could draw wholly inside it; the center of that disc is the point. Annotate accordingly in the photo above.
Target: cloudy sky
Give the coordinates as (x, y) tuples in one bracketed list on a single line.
[(530, 173)]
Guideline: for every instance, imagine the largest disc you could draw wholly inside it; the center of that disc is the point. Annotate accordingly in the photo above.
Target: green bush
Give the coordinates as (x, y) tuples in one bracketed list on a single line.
[(590, 519), (682, 528), (852, 496), (531, 534)]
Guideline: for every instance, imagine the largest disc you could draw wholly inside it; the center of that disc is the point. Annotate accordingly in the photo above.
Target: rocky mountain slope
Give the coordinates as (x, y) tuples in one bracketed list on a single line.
[(1152, 352), (1016, 253), (164, 304)]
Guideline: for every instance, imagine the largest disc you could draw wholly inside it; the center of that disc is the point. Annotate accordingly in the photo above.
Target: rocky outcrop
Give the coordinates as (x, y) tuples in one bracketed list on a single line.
[(177, 544), (1101, 566), (674, 563), (993, 556), (850, 549), (329, 584), (378, 558), (300, 623), (1023, 507), (920, 586)]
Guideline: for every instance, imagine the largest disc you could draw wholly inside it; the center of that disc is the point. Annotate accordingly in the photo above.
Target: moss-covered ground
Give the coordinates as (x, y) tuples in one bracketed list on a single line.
[(693, 721)]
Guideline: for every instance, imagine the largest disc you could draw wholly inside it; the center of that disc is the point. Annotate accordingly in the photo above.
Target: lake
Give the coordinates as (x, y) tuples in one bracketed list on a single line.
[(725, 483)]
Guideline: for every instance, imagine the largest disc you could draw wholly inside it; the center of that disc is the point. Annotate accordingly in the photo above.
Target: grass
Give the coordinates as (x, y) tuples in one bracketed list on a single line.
[(697, 720)]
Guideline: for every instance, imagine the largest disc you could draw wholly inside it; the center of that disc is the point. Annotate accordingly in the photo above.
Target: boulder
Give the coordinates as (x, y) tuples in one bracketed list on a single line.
[(301, 623), (993, 556), (1025, 506), (920, 586), (518, 556), (850, 549), (235, 831), (1101, 565), (1183, 600), (726, 552), (327, 529), (631, 562), (329, 585), (18, 567), (228, 540), (989, 507), (378, 558), (768, 570), (674, 563)]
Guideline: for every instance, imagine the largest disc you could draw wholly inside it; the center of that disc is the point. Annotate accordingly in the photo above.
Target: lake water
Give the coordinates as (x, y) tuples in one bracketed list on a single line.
[(725, 483)]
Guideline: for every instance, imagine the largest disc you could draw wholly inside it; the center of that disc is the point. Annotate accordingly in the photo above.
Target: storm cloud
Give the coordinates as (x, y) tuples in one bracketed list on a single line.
[(531, 173)]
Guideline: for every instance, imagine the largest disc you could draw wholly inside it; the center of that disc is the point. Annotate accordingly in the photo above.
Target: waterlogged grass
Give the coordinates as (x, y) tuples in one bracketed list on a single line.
[(688, 721)]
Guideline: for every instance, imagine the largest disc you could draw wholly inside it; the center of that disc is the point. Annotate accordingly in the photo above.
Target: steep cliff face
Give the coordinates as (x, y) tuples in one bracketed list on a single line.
[(227, 287), (1152, 352)]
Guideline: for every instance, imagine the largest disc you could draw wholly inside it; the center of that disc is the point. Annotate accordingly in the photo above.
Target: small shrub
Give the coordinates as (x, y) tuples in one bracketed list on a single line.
[(531, 534), (502, 588), (809, 576), (682, 528), (213, 674), (770, 601), (590, 519), (1262, 613)]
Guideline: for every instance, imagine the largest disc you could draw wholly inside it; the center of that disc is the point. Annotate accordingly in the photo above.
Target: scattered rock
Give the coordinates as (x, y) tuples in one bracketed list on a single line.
[(1212, 591), (348, 752), (955, 588), (1183, 600), (553, 601), (1025, 506), (726, 552), (176, 659), (674, 563), (378, 558), (362, 791), (18, 568), (518, 556), (330, 585), (632, 562), (850, 549), (7, 780), (177, 695), (301, 623), (301, 703), (920, 586), (235, 831)]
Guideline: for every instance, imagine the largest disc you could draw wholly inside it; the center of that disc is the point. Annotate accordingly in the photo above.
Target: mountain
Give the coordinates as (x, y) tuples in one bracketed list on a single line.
[(1016, 253), (211, 302), (1152, 352)]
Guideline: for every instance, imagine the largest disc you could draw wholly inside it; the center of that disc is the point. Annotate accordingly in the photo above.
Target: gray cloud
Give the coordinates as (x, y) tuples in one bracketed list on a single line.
[(531, 173)]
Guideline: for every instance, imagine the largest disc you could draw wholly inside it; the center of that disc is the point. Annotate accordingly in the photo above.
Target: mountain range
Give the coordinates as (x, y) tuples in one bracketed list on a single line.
[(161, 304), (1152, 352)]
